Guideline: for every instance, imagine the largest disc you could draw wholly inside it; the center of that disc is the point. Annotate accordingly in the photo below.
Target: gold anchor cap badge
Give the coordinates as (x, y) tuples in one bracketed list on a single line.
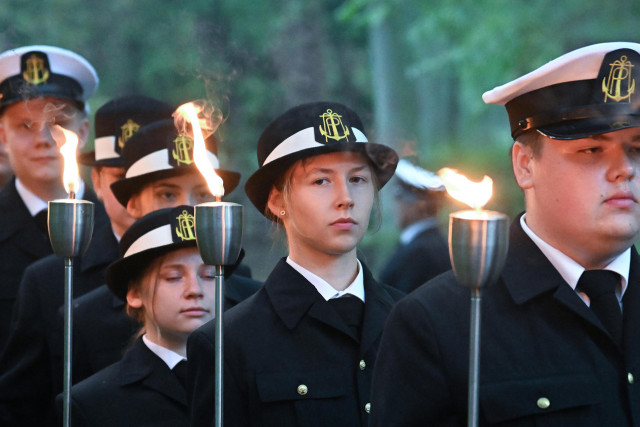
[(332, 126), (186, 226)]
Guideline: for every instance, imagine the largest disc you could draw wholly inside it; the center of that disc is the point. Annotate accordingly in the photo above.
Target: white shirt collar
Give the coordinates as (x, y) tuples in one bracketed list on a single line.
[(571, 270), (170, 357), (118, 237), (411, 231), (356, 288), (34, 203)]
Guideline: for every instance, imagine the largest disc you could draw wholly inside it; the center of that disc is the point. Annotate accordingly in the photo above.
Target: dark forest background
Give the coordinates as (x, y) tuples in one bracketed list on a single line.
[(414, 70)]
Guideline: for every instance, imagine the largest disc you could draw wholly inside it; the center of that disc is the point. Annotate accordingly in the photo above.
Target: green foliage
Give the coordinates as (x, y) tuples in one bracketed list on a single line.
[(415, 70)]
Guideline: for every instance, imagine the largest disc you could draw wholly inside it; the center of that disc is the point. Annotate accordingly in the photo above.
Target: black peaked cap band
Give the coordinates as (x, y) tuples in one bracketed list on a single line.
[(586, 92)]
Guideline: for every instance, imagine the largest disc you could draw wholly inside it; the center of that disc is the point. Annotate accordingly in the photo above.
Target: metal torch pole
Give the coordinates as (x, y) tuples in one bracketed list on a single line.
[(219, 236), (474, 357), (219, 343), (478, 243), (70, 224), (68, 323)]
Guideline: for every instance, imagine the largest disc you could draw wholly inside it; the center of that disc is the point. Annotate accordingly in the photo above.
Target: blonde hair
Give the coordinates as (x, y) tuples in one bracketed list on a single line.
[(147, 276)]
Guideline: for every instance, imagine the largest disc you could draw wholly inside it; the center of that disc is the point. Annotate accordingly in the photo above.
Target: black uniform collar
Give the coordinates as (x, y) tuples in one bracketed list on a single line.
[(141, 365), (293, 297)]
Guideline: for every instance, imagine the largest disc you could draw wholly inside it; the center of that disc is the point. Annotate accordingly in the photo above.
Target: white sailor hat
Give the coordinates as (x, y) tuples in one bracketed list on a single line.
[(45, 71), (417, 177), (586, 92)]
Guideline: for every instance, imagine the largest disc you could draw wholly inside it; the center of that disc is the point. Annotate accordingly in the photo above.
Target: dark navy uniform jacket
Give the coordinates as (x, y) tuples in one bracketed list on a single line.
[(22, 242), (139, 390), (103, 331), (545, 358), (290, 359), (420, 260), (31, 366)]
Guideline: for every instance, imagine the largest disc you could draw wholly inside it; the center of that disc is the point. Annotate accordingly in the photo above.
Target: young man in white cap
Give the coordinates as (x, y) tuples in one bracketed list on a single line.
[(39, 86), (423, 252), (560, 338), (31, 366)]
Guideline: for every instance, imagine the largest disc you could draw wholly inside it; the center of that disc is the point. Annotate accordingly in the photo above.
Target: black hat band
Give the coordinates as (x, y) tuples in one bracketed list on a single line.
[(304, 140), (617, 113), (57, 86)]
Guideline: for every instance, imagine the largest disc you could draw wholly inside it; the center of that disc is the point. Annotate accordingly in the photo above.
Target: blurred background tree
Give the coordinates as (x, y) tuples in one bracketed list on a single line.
[(414, 70)]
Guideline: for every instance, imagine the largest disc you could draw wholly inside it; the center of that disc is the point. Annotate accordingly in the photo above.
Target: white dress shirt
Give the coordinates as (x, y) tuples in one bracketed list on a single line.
[(355, 288)]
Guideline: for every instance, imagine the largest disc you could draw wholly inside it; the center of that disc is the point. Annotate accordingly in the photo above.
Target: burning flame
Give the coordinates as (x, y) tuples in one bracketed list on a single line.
[(190, 112), (474, 194), (68, 143)]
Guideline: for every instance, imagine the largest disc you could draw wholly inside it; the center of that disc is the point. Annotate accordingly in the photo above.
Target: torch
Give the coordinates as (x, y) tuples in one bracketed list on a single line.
[(219, 228), (70, 223), (478, 242)]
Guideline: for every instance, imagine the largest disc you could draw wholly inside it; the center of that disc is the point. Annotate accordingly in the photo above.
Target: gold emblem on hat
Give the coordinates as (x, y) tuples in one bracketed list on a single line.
[(332, 127), (36, 73), (182, 153), (186, 226), (128, 129), (619, 85)]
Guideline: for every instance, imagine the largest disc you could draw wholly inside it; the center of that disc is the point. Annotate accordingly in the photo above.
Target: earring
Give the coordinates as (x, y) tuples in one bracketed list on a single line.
[(282, 213)]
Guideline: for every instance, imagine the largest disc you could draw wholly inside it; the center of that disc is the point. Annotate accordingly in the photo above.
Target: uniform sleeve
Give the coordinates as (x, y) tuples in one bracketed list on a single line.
[(201, 383), (409, 387), (201, 379), (25, 370)]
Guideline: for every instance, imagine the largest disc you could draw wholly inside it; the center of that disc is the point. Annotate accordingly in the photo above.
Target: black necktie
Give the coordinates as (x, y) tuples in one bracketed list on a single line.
[(180, 371), (41, 220), (600, 286), (350, 308)]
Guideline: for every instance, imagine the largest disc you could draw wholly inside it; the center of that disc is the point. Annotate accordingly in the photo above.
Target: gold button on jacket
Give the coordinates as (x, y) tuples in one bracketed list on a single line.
[(302, 389), (543, 403)]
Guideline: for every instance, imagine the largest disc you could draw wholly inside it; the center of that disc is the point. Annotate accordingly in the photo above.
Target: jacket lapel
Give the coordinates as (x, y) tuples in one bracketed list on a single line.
[(16, 220), (293, 297), (528, 274), (631, 311), (377, 306), (141, 365)]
